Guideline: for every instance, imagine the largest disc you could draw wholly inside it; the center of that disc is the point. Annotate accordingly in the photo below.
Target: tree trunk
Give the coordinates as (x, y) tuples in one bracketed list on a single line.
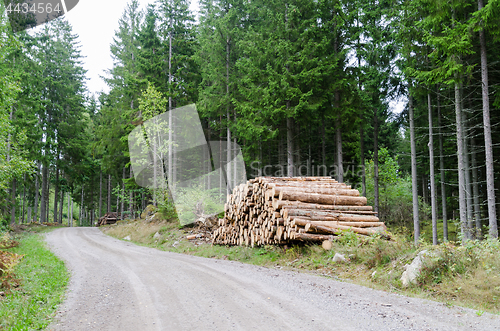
[(221, 160), (375, 162), (13, 203), (174, 159), (441, 166), (155, 176), (61, 209), (338, 136), (109, 194), (35, 207), (281, 153), (323, 141), (170, 117), (228, 136), (475, 190), (24, 199), (43, 202), (71, 215), (92, 187), (235, 169), (416, 220), (488, 144), (131, 197), (362, 152), (298, 155), (118, 198), (143, 200), (81, 209), (122, 205), (461, 166), (309, 157), (289, 143), (56, 194), (47, 207), (100, 194), (468, 182), (431, 164), (424, 188)]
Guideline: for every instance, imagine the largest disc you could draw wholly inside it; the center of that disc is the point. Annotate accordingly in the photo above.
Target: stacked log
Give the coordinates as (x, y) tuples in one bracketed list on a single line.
[(109, 218), (281, 210)]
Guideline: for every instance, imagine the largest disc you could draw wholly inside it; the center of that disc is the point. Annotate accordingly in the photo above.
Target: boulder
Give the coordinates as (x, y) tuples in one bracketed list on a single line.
[(154, 217), (412, 271), (148, 211), (339, 258)]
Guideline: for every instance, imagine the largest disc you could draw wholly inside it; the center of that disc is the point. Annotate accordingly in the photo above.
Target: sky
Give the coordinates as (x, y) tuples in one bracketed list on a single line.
[(95, 21)]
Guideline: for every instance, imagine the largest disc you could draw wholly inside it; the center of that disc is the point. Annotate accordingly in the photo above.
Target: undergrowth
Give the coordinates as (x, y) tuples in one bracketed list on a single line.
[(456, 275), (36, 287)]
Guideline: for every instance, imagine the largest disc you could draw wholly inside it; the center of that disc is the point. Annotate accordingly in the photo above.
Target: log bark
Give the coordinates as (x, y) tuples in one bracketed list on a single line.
[(326, 214), (278, 204), (311, 237), (254, 217), (335, 229), (323, 199), (275, 191), (353, 224)]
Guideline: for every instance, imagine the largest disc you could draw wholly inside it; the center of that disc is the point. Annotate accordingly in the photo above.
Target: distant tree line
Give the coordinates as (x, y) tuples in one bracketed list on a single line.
[(304, 87)]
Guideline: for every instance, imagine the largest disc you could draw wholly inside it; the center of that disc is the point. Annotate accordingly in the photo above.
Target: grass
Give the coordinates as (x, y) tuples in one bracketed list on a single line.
[(466, 276), (43, 278)]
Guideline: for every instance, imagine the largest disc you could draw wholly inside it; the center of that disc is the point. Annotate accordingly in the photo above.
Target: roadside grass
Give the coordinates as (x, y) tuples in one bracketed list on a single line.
[(42, 278), (467, 276)]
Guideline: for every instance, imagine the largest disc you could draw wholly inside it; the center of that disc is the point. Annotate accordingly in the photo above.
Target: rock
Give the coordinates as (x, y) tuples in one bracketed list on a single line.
[(412, 271), (126, 238), (339, 258), (157, 236), (374, 273), (155, 217), (148, 211), (175, 244), (327, 245)]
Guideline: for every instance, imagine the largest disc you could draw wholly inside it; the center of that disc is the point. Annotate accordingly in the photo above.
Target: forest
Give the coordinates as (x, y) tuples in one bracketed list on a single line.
[(304, 87)]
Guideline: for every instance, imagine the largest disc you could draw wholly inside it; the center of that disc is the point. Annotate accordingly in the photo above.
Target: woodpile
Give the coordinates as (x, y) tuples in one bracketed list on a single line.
[(281, 210), (109, 218)]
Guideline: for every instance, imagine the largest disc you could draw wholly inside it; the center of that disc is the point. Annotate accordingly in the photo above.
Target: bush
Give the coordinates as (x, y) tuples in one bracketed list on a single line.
[(395, 191), (194, 200)]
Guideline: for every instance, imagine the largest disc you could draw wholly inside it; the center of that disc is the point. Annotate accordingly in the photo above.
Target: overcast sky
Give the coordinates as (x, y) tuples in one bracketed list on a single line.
[(96, 21)]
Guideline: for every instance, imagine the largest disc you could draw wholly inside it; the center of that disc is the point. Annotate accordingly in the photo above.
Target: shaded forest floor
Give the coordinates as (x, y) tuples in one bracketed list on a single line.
[(466, 276)]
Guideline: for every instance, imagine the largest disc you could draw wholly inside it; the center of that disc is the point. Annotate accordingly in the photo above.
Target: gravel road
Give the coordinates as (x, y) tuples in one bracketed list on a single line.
[(116, 285)]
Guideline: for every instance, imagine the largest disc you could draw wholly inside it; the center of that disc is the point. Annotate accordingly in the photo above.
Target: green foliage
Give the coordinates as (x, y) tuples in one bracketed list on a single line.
[(13, 161), (189, 201), (348, 238), (167, 208), (43, 282), (152, 102), (395, 201)]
